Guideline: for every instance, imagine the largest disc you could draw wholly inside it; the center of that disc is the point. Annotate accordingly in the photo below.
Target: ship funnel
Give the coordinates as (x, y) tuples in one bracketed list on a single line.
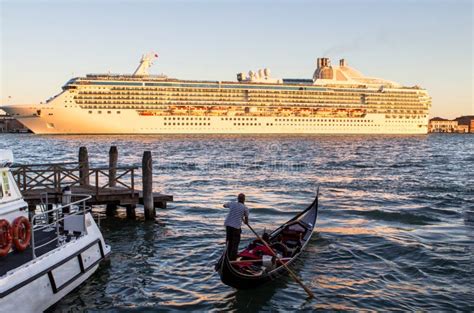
[(342, 62), (320, 63), (325, 62)]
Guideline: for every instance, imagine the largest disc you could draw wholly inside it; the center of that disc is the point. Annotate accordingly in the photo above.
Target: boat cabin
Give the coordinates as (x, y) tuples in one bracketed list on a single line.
[(12, 204)]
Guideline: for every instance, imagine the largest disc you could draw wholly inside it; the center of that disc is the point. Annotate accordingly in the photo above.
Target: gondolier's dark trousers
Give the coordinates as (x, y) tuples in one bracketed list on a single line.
[(233, 240)]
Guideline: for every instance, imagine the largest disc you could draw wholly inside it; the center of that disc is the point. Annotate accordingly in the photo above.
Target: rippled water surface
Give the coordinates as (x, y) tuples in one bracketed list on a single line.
[(395, 228)]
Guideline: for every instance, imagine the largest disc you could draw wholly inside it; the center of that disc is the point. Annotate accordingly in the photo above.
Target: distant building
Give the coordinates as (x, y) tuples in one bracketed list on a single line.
[(9, 125), (441, 125), (462, 124), (463, 129), (466, 120)]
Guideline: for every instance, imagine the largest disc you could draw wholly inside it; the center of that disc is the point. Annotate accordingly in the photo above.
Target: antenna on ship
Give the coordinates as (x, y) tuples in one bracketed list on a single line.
[(145, 63)]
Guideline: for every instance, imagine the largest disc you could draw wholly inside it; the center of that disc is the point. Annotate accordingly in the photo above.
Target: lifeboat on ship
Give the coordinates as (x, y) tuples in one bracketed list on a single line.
[(45, 256), (179, 110), (146, 113)]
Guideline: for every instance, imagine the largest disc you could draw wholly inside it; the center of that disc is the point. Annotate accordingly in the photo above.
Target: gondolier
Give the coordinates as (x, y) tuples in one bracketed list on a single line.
[(267, 259), (233, 223)]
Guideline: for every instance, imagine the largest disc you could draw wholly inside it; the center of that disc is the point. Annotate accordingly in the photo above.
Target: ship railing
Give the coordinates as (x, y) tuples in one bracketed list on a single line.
[(56, 219)]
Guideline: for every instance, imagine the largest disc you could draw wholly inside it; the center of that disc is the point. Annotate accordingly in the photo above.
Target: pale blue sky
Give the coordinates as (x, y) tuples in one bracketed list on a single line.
[(429, 43)]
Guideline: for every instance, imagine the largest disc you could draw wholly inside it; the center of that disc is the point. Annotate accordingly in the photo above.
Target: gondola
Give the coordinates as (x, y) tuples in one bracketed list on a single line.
[(256, 265)]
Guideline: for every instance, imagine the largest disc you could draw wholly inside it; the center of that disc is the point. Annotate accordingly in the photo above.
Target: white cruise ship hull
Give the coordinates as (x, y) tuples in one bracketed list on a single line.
[(338, 100), (75, 120)]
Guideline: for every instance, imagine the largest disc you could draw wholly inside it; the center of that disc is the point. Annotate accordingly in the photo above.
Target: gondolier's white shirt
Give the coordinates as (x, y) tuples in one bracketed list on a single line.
[(237, 211)]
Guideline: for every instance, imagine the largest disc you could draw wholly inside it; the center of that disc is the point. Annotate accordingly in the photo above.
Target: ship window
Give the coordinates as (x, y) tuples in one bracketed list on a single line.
[(1, 190), (118, 112), (108, 112), (100, 112), (90, 112)]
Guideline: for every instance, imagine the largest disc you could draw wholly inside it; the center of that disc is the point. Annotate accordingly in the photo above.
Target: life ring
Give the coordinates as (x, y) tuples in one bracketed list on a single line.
[(21, 232), (5, 237)]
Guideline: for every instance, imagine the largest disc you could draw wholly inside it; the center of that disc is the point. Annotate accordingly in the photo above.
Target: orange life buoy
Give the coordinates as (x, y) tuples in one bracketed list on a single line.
[(5, 237), (21, 232)]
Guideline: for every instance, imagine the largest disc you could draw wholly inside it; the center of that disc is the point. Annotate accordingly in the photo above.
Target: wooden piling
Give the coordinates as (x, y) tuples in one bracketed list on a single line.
[(83, 167), (131, 214), (31, 210), (50, 214), (113, 160), (147, 171), (110, 209)]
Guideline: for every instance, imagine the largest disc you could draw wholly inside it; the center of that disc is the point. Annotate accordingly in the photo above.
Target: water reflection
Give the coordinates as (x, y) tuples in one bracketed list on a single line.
[(392, 232)]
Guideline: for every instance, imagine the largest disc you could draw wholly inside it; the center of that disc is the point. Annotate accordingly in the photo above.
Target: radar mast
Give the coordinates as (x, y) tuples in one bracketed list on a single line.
[(145, 63)]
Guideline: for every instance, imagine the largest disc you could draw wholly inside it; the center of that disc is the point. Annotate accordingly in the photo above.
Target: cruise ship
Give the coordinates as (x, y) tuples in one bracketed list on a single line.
[(336, 100)]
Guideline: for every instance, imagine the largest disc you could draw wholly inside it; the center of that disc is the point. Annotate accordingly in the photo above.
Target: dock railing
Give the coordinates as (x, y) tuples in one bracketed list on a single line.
[(56, 176), (59, 214)]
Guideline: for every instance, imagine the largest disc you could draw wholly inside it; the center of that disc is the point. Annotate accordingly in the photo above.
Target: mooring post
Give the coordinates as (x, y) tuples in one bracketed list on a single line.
[(131, 214), (31, 210), (113, 159), (110, 209), (49, 207), (147, 171), (83, 166)]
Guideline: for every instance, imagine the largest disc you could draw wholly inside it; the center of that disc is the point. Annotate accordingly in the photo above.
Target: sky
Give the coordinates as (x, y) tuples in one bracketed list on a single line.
[(425, 43)]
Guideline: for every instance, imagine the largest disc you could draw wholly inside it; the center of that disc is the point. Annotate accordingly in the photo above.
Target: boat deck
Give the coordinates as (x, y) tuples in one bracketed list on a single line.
[(16, 259)]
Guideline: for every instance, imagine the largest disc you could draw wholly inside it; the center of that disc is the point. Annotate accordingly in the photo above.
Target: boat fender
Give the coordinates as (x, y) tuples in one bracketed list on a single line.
[(21, 232), (5, 238)]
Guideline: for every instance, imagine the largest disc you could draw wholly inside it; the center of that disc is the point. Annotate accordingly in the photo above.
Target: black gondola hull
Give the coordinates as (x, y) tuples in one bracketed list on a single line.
[(231, 277)]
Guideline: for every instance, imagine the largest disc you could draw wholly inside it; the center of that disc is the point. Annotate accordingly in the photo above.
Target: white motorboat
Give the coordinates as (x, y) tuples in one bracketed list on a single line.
[(44, 256)]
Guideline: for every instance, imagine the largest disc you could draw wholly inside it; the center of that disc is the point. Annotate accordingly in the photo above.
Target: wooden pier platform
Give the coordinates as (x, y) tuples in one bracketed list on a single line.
[(112, 195), (111, 186)]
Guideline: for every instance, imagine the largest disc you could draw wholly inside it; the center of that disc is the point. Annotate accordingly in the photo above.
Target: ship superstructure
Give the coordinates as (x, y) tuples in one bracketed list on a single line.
[(338, 99)]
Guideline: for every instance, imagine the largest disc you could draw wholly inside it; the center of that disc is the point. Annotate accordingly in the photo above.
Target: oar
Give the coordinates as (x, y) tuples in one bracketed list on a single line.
[(255, 261), (293, 275)]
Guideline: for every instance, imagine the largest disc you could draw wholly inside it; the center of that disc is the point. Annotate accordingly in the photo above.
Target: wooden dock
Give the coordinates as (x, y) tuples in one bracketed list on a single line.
[(111, 186)]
